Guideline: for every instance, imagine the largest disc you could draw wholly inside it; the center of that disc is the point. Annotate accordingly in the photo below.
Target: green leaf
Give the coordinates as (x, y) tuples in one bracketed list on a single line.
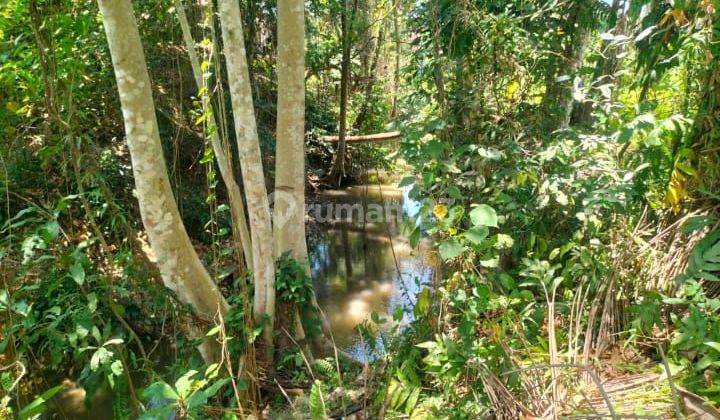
[(713, 344), (113, 342), (477, 234), (428, 177), (454, 192), (450, 249), (92, 302), (412, 401), (644, 34), (77, 272), (456, 213), (99, 358), (434, 148), (117, 368), (414, 238), (407, 181), (427, 345), (38, 405), (424, 303), (484, 215), (160, 391), (185, 382), (673, 301), (200, 398), (213, 331), (51, 231), (713, 254)]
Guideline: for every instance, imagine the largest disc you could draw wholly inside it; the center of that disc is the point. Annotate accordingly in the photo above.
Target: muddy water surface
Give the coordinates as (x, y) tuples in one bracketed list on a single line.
[(361, 261)]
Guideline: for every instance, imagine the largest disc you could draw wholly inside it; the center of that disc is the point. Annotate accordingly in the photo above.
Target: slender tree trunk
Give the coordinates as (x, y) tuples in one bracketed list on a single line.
[(396, 82), (338, 170), (607, 65), (251, 166), (289, 198), (558, 100), (179, 264), (250, 29), (241, 234), (370, 82)]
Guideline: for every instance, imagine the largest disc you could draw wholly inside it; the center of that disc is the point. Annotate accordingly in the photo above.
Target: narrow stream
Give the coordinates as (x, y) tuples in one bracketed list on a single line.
[(362, 263)]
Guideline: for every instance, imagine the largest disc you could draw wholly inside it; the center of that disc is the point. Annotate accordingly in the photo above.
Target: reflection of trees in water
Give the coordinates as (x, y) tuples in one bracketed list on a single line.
[(353, 265), (352, 257), (351, 252)]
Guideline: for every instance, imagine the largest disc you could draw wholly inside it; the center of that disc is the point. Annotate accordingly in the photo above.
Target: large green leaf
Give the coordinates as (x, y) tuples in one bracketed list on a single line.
[(450, 249), (477, 234), (160, 391), (484, 215)]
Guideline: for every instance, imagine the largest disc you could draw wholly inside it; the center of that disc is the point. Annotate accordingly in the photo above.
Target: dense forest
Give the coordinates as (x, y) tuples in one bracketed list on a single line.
[(361, 209)]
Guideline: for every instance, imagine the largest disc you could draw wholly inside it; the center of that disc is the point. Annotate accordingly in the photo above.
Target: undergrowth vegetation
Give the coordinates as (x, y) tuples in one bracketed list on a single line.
[(564, 155), (567, 232)]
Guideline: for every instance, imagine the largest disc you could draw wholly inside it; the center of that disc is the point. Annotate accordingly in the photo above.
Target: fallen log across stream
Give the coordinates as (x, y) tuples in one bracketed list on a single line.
[(369, 138)]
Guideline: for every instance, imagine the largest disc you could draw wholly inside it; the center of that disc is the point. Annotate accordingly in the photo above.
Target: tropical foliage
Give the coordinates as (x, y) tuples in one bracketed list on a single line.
[(565, 156)]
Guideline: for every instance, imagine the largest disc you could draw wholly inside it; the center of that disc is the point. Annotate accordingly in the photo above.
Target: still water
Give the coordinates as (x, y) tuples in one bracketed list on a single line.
[(362, 263)]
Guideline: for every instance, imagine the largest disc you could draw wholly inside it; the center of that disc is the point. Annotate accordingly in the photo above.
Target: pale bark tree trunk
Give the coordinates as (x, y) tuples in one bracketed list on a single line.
[(180, 267), (289, 199), (241, 234), (250, 164)]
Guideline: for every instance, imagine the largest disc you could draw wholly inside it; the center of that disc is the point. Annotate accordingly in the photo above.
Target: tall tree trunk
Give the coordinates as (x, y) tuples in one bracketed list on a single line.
[(250, 29), (370, 82), (179, 264), (251, 166), (558, 99), (241, 235), (607, 64), (396, 79), (289, 199), (338, 170)]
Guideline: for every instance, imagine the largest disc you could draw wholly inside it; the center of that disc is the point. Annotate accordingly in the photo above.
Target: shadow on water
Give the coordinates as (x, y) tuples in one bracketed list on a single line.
[(361, 261)]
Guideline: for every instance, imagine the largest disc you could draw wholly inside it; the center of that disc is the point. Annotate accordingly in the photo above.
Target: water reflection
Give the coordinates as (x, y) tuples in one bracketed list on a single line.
[(360, 267)]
